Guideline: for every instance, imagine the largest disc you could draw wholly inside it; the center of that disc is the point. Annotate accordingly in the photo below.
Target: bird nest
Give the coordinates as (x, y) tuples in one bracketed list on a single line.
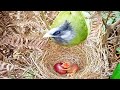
[(90, 56), (42, 54)]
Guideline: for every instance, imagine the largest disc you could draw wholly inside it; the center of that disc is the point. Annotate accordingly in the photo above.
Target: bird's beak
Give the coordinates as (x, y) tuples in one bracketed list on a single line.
[(47, 35), (50, 33)]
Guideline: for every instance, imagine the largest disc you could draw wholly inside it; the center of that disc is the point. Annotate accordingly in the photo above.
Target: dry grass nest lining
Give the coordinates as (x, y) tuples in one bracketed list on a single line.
[(90, 56)]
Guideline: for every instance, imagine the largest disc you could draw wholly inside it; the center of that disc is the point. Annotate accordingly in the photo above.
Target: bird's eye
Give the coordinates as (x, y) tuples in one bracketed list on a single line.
[(56, 33)]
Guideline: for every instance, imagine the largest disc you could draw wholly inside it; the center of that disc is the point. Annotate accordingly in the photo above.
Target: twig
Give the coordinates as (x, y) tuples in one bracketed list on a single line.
[(109, 28), (25, 70), (118, 29), (104, 22), (118, 38), (108, 31), (108, 16), (114, 51), (106, 36), (112, 38), (36, 65), (115, 24)]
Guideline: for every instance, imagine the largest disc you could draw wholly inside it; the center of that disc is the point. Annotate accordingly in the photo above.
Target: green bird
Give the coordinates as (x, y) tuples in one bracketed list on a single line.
[(69, 28)]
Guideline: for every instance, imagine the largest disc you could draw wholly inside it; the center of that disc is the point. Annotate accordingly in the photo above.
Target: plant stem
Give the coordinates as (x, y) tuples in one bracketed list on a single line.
[(108, 16), (115, 24)]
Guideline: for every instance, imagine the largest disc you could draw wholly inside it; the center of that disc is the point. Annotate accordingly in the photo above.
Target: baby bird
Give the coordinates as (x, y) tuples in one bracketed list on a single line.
[(70, 68)]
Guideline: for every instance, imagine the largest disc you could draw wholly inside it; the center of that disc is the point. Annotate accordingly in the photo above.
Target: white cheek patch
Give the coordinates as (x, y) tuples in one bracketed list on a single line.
[(66, 35)]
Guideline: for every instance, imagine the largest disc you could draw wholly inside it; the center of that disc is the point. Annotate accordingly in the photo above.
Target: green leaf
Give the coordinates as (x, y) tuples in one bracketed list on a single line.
[(116, 72), (118, 50)]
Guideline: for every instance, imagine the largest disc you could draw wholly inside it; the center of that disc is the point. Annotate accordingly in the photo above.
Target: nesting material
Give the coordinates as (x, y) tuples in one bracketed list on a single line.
[(40, 55), (90, 56)]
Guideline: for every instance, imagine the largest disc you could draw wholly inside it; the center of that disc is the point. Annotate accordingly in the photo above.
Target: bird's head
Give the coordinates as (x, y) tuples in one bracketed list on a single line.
[(62, 34)]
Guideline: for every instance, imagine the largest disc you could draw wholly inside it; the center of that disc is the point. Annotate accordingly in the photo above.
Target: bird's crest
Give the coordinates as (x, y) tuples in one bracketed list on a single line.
[(66, 26)]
